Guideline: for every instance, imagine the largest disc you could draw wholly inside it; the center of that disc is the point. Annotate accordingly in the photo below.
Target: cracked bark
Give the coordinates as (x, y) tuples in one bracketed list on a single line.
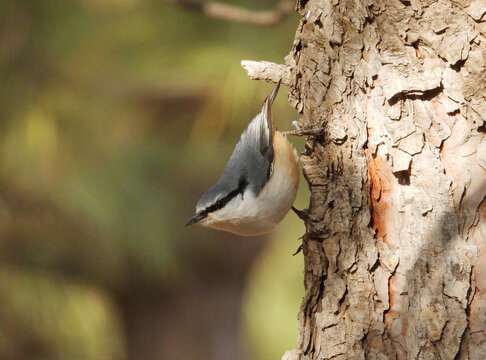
[(398, 181)]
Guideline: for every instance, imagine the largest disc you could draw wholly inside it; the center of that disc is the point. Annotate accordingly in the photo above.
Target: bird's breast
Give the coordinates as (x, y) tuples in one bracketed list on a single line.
[(254, 215), (279, 193)]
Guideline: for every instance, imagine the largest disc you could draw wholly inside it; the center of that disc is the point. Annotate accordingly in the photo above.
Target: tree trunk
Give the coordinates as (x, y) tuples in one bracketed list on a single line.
[(395, 250)]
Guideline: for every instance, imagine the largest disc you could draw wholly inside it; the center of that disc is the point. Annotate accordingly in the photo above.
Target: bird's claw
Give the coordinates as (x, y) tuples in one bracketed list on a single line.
[(299, 249), (302, 214)]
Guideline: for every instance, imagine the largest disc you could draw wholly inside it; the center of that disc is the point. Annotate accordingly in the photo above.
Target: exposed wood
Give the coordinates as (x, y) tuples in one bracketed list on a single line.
[(268, 71)]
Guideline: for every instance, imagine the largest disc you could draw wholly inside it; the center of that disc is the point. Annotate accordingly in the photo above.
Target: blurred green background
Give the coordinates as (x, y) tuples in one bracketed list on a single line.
[(116, 115)]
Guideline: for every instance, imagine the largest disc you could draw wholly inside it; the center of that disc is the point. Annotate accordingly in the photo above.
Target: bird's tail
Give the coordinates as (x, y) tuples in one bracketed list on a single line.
[(274, 92), (266, 112)]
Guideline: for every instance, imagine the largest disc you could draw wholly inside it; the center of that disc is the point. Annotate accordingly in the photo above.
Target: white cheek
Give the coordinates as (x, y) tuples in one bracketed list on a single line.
[(241, 206)]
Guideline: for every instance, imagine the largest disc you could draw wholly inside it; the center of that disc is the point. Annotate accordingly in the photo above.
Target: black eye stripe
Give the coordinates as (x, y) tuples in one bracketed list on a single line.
[(223, 201)]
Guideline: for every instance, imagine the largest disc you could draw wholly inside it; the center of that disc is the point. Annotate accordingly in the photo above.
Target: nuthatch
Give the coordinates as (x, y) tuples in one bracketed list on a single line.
[(258, 184)]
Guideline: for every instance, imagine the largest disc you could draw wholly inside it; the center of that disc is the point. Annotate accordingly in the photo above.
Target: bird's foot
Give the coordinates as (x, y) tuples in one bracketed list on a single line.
[(299, 249), (302, 214)]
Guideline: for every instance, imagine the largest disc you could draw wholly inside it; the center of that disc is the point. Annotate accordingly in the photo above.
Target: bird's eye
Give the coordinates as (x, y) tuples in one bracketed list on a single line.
[(219, 203)]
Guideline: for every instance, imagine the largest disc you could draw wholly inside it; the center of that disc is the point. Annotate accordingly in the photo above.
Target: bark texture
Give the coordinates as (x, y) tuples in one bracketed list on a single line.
[(395, 243)]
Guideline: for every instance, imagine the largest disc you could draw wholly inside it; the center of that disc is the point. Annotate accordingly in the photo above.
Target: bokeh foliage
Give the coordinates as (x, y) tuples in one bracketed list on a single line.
[(115, 115)]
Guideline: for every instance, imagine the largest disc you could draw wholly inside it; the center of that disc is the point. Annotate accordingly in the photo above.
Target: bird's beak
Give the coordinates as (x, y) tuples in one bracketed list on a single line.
[(195, 219)]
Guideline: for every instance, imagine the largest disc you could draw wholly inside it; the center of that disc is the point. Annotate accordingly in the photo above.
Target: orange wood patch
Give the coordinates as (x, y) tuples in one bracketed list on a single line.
[(381, 179)]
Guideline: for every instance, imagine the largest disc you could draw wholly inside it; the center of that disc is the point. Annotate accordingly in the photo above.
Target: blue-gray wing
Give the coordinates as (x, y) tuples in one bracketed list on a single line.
[(253, 154), (251, 162)]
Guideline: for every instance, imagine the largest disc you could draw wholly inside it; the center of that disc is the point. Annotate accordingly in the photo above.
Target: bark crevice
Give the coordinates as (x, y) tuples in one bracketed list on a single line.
[(392, 84)]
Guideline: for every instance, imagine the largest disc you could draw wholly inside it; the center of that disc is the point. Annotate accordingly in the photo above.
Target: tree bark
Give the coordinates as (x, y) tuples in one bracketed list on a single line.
[(395, 250)]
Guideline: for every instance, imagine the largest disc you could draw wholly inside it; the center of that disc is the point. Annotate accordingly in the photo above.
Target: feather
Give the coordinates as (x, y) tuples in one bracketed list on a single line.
[(251, 161)]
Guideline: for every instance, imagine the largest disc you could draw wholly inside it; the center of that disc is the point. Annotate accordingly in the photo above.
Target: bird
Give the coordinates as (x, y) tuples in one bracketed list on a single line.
[(259, 183)]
